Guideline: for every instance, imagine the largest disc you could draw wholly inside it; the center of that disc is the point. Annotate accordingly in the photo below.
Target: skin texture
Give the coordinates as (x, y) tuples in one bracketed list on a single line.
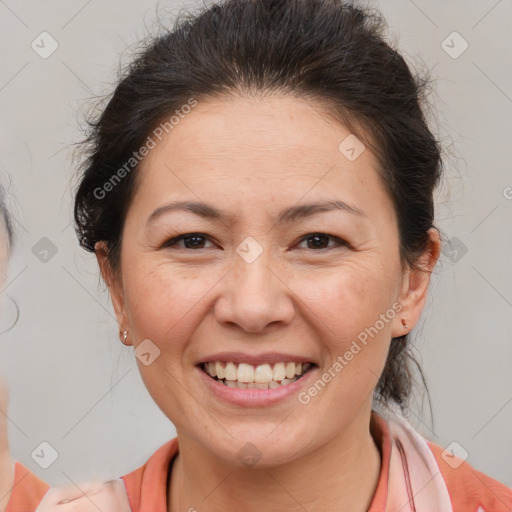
[(6, 461), (253, 157)]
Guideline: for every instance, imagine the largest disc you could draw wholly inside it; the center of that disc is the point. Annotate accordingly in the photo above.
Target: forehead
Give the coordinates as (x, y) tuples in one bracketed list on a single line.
[(257, 147), (287, 131)]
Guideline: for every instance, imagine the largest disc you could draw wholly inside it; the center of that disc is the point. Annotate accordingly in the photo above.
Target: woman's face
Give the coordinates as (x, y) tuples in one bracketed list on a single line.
[(256, 286)]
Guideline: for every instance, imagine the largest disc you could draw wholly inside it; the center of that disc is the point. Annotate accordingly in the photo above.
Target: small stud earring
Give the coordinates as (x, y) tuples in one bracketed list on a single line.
[(125, 336)]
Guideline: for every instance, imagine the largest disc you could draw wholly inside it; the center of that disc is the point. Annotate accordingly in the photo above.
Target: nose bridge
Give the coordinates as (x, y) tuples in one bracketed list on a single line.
[(254, 296), (254, 276)]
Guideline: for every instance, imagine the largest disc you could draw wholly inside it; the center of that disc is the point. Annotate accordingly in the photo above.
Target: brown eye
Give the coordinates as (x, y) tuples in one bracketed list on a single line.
[(321, 241), (190, 241)]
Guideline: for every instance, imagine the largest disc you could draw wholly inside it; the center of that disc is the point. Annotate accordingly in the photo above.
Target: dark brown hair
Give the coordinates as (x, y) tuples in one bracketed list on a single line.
[(328, 51), (5, 219)]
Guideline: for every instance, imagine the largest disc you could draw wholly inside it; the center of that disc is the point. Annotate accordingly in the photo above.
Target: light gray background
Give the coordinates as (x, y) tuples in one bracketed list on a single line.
[(74, 385)]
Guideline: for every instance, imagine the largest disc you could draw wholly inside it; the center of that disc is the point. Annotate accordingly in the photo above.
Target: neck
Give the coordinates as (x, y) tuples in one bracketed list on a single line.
[(340, 475)]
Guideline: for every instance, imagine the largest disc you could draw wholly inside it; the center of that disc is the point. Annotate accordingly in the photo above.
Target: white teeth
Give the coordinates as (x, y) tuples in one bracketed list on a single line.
[(257, 385), (245, 372), (219, 370), (263, 373), (230, 372), (290, 370), (279, 372), (263, 376)]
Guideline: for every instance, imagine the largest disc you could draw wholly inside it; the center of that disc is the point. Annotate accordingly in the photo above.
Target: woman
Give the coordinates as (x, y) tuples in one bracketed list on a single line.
[(6, 462), (258, 193)]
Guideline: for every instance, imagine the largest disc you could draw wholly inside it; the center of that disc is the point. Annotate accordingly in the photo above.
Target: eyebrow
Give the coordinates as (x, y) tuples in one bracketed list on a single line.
[(285, 216)]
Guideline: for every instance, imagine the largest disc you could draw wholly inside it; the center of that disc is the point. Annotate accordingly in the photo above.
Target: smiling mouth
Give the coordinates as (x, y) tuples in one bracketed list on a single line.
[(248, 376)]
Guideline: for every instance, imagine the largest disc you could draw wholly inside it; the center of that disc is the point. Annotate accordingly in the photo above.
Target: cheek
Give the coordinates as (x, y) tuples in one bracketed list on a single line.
[(162, 303), (352, 309), (350, 298), (162, 307)]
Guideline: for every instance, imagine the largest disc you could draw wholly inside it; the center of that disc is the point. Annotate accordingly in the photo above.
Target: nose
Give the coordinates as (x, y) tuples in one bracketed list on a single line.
[(254, 296)]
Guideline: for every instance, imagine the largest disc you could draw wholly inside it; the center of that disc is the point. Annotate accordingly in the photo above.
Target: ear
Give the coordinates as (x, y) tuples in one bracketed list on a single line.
[(415, 286), (115, 287)]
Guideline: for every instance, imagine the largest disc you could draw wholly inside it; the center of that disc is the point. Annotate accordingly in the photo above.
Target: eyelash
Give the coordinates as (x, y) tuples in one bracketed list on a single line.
[(173, 241)]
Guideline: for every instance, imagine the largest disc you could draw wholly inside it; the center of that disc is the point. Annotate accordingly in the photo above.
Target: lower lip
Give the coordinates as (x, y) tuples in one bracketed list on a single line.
[(254, 397)]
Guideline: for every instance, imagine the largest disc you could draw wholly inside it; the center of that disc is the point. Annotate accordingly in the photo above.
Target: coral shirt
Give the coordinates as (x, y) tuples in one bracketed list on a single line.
[(146, 487)]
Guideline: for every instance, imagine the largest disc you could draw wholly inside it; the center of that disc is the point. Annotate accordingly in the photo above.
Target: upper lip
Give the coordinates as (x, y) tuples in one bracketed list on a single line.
[(265, 358)]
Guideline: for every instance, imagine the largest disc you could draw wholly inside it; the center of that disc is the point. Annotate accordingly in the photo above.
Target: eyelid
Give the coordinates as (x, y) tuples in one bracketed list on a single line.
[(340, 242)]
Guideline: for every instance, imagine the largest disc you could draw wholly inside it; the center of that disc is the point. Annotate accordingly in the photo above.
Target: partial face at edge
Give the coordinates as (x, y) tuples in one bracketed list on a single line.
[(4, 251)]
